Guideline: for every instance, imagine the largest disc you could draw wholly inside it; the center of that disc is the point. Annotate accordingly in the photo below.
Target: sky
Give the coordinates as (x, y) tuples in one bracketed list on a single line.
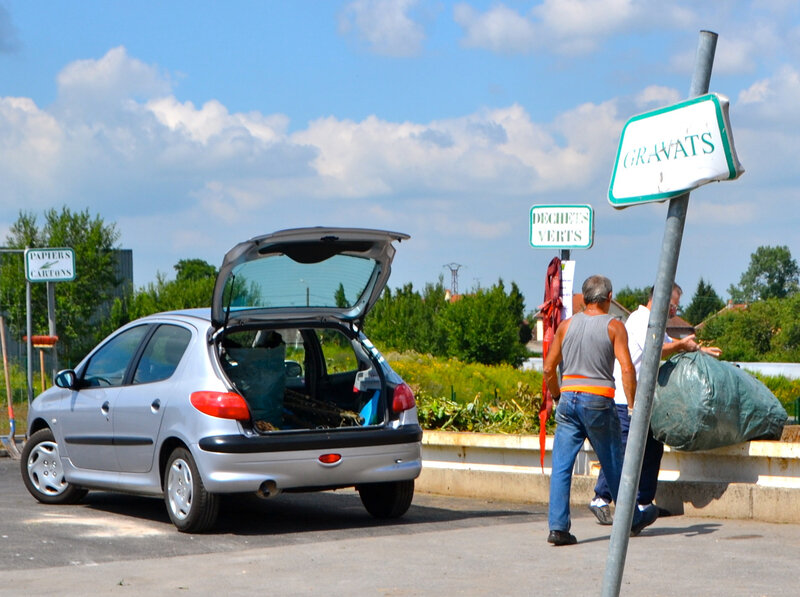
[(192, 126)]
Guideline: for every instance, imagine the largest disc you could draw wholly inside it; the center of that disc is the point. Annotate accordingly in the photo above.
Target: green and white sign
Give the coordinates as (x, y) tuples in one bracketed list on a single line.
[(50, 265), (562, 226), (670, 151)]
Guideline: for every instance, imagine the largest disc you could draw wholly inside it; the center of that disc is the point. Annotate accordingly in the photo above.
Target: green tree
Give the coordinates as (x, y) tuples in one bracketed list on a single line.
[(340, 297), (483, 327), (194, 269), (772, 274), (191, 288), (705, 302), (631, 298), (764, 331), (407, 320), (80, 304)]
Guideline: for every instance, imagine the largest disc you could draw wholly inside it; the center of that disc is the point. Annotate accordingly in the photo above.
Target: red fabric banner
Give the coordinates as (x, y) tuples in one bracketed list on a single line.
[(551, 317)]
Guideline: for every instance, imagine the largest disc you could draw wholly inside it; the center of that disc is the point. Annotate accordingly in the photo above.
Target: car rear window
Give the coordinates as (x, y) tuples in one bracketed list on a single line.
[(277, 281)]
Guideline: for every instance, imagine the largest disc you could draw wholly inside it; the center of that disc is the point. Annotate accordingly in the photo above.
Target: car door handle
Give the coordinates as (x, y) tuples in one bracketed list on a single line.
[(104, 408), (155, 405)]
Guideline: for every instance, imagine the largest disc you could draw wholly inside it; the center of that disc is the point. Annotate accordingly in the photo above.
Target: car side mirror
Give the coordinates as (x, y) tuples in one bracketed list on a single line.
[(293, 369), (67, 379)]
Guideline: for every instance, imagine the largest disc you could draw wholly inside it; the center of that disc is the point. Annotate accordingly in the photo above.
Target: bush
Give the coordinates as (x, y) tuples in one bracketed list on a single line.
[(786, 390), (457, 396), (484, 326)]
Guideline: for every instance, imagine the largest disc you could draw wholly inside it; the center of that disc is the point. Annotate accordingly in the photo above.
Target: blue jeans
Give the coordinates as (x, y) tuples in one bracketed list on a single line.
[(580, 415), (651, 463)]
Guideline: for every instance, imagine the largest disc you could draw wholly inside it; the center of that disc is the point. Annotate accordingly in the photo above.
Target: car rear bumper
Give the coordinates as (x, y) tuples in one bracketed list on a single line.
[(237, 463)]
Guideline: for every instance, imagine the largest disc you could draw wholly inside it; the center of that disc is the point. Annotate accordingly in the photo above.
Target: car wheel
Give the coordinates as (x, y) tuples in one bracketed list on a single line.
[(387, 500), (42, 472), (191, 508)]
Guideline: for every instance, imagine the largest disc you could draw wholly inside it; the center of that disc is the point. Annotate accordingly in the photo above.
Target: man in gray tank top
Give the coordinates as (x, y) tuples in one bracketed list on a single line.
[(587, 344)]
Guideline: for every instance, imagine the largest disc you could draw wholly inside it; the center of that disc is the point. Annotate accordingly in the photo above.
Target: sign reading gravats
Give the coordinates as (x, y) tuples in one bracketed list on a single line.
[(562, 226), (670, 151), (50, 265)]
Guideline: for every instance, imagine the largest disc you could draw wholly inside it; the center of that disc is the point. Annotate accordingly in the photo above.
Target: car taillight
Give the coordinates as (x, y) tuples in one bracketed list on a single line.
[(225, 405), (402, 398)]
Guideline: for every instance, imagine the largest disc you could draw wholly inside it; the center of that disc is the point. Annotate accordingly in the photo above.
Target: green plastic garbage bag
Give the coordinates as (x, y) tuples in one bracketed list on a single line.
[(260, 375), (701, 403)]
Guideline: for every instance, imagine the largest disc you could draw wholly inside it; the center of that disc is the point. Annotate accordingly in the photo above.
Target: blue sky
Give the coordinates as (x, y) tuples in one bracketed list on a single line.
[(195, 125)]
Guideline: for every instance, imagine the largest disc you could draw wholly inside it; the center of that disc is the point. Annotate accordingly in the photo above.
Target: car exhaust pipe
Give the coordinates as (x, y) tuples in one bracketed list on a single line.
[(268, 490)]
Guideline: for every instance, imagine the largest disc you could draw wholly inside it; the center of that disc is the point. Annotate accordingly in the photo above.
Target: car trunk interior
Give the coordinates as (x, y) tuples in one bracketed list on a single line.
[(303, 378)]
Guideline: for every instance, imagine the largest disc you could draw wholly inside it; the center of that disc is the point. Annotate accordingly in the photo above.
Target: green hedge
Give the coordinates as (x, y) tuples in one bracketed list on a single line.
[(456, 396)]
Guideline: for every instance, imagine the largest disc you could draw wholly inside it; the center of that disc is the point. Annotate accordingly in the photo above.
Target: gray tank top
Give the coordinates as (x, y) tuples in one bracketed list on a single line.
[(587, 350)]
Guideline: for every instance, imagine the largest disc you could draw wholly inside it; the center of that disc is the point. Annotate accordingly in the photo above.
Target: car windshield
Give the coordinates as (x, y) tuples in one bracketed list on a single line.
[(277, 281)]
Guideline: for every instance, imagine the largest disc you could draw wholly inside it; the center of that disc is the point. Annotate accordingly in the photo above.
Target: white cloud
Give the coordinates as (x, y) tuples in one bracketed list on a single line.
[(656, 96), (384, 25), (500, 29), (183, 180), (774, 98), (31, 148), (97, 86), (569, 27)]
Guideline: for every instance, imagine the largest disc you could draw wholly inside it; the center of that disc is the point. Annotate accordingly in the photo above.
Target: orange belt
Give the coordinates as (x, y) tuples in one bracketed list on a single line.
[(571, 383)]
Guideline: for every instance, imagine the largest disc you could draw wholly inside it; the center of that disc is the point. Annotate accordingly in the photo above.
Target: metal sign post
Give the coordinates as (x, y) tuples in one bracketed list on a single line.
[(670, 250)]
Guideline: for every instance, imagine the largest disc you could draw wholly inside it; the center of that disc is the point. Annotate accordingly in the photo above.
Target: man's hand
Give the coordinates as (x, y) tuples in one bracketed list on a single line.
[(689, 344), (712, 350)]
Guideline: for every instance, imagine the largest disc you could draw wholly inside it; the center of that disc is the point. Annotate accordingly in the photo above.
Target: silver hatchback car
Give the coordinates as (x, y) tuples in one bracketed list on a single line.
[(273, 388)]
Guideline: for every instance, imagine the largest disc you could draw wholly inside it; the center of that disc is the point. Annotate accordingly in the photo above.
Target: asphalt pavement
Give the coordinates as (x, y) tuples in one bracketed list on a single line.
[(326, 544)]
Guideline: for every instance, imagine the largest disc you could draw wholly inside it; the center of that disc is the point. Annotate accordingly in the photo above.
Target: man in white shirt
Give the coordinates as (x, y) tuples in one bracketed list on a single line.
[(654, 449)]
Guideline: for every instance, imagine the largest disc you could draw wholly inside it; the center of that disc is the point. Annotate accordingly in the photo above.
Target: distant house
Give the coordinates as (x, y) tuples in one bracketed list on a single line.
[(731, 306), (450, 297), (679, 328)]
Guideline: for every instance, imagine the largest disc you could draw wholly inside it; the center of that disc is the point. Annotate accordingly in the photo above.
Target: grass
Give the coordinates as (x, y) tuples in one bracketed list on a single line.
[(19, 395)]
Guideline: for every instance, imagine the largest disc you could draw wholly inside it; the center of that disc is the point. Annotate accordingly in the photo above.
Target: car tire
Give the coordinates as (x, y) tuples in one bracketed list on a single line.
[(387, 500), (191, 508), (42, 473)]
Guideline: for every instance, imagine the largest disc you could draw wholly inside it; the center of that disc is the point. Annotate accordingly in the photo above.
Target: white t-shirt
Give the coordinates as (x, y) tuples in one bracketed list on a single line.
[(636, 327)]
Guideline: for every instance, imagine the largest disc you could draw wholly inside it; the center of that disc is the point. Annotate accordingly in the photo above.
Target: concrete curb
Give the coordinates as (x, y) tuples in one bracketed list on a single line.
[(754, 480)]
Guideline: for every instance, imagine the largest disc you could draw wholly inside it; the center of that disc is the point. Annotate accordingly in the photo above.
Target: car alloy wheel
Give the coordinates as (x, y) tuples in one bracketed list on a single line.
[(42, 472), (191, 508)]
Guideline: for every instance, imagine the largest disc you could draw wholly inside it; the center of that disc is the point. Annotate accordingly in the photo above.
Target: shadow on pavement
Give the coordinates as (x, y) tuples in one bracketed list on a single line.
[(297, 513), (656, 531)]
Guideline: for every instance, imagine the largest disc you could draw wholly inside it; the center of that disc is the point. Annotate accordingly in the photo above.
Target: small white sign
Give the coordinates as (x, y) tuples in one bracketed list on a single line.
[(670, 151), (567, 284), (50, 265), (562, 226)]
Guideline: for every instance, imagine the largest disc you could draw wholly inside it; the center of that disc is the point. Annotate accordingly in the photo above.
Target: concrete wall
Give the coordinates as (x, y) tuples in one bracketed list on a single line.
[(757, 480)]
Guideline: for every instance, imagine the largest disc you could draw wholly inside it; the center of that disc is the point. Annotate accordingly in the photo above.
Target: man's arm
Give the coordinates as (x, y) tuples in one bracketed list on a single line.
[(553, 359), (619, 338), (687, 344)]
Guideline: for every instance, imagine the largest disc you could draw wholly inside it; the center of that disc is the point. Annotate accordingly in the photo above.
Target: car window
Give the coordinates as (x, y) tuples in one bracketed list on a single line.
[(108, 365), (280, 281), (337, 351), (162, 354), (292, 349)]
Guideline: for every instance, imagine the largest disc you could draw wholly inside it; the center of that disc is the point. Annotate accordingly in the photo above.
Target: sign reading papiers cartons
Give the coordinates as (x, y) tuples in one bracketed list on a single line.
[(670, 151), (562, 226), (50, 265)]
